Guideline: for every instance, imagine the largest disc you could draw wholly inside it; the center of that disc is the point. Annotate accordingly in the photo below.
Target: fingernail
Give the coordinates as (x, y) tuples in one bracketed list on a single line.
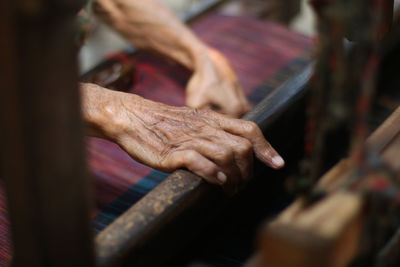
[(278, 161), (221, 177)]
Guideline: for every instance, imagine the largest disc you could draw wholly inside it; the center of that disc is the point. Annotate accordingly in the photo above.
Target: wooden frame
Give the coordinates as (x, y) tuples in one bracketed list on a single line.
[(43, 155), (183, 195), (315, 235), (42, 135)]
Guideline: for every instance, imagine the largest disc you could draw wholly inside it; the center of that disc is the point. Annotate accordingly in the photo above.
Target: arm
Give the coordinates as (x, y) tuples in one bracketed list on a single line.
[(218, 148), (149, 25)]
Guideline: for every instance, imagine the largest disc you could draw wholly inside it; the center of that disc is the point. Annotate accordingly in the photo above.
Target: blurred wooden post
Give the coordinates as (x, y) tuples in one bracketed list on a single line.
[(285, 10), (41, 135), (387, 21), (328, 232)]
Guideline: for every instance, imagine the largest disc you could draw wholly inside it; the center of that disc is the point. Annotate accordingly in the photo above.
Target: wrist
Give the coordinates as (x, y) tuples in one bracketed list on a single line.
[(208, 57), (93, 98), (102, 111), (199, 56)]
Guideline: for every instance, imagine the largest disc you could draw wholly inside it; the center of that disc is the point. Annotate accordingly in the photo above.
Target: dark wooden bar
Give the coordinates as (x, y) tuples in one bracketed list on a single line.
[(42, 135), (389, 255), (285, 10), (43, 162), (175, 210), (272, 107)]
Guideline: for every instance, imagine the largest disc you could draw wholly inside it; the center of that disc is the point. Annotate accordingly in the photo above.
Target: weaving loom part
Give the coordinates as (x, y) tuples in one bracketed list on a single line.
[(328, 104), (134, 180), (348, 216)]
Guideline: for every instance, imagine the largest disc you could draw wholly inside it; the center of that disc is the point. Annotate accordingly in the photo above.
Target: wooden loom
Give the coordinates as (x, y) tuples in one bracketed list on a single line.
[(327, 233), (179, 200), (40, 107), (333, 231)]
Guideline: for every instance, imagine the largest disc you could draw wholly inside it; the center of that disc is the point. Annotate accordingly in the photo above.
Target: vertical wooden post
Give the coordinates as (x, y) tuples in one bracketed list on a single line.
[(387, 19), (285, 10), (41, 135)]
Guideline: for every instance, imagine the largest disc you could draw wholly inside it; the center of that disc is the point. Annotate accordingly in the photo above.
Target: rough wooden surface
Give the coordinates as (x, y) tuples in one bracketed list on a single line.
[(130, 234), (328, 232)]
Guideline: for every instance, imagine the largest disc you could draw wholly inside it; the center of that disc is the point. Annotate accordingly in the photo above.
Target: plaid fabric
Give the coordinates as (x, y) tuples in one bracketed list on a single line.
[(264, 55), (5, 246)]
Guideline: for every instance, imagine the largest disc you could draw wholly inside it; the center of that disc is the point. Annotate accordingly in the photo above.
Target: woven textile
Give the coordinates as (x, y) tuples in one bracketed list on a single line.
[(264, 55), (257, 51)]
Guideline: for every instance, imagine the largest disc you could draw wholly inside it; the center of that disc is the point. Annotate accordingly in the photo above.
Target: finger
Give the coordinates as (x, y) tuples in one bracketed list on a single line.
[(197, 102), (243, 99), (246, 106), (198, 164), (249, 130), (222, 155), (243, 154), (241, 96), (231, 105)]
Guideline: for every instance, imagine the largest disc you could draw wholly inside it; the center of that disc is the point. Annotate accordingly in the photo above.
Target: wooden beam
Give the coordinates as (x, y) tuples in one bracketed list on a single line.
[(175, 210), (42, 148), (327, 233)]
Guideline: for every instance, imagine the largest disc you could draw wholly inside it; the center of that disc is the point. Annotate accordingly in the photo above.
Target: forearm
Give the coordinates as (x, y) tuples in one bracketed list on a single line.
[(149, 25)]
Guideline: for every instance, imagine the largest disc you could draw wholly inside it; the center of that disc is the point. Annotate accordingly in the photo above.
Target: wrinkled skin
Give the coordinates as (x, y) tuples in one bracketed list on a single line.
[(214, 85), (218, 148), (149, 25)]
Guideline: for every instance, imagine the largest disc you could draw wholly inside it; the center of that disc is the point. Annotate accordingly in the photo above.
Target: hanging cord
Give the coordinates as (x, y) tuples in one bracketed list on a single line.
[(328, 109), (84, 21)]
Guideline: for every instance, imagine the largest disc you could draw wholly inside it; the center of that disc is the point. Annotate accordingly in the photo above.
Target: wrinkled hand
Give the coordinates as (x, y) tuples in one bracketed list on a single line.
[(214, 84), (218, 148)]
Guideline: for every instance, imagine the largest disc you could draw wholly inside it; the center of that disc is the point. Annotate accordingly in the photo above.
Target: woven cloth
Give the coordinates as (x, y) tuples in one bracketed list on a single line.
[(264, 55)]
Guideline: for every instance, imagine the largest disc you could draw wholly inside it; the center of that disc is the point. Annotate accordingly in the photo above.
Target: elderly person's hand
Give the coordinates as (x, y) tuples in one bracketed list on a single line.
[(214, 84), (218, 148), (149, 25)]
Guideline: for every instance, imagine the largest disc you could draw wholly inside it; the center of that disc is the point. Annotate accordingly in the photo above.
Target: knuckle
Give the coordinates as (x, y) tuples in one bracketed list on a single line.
[(245, 147), (190, 157), (250, 128), (224, 155), (170, 160), (211, 171), (236, 105)]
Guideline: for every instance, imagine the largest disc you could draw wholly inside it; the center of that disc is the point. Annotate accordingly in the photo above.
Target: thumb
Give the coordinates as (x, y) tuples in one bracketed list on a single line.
[(194, 96), (233, 108), (198, 101)]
